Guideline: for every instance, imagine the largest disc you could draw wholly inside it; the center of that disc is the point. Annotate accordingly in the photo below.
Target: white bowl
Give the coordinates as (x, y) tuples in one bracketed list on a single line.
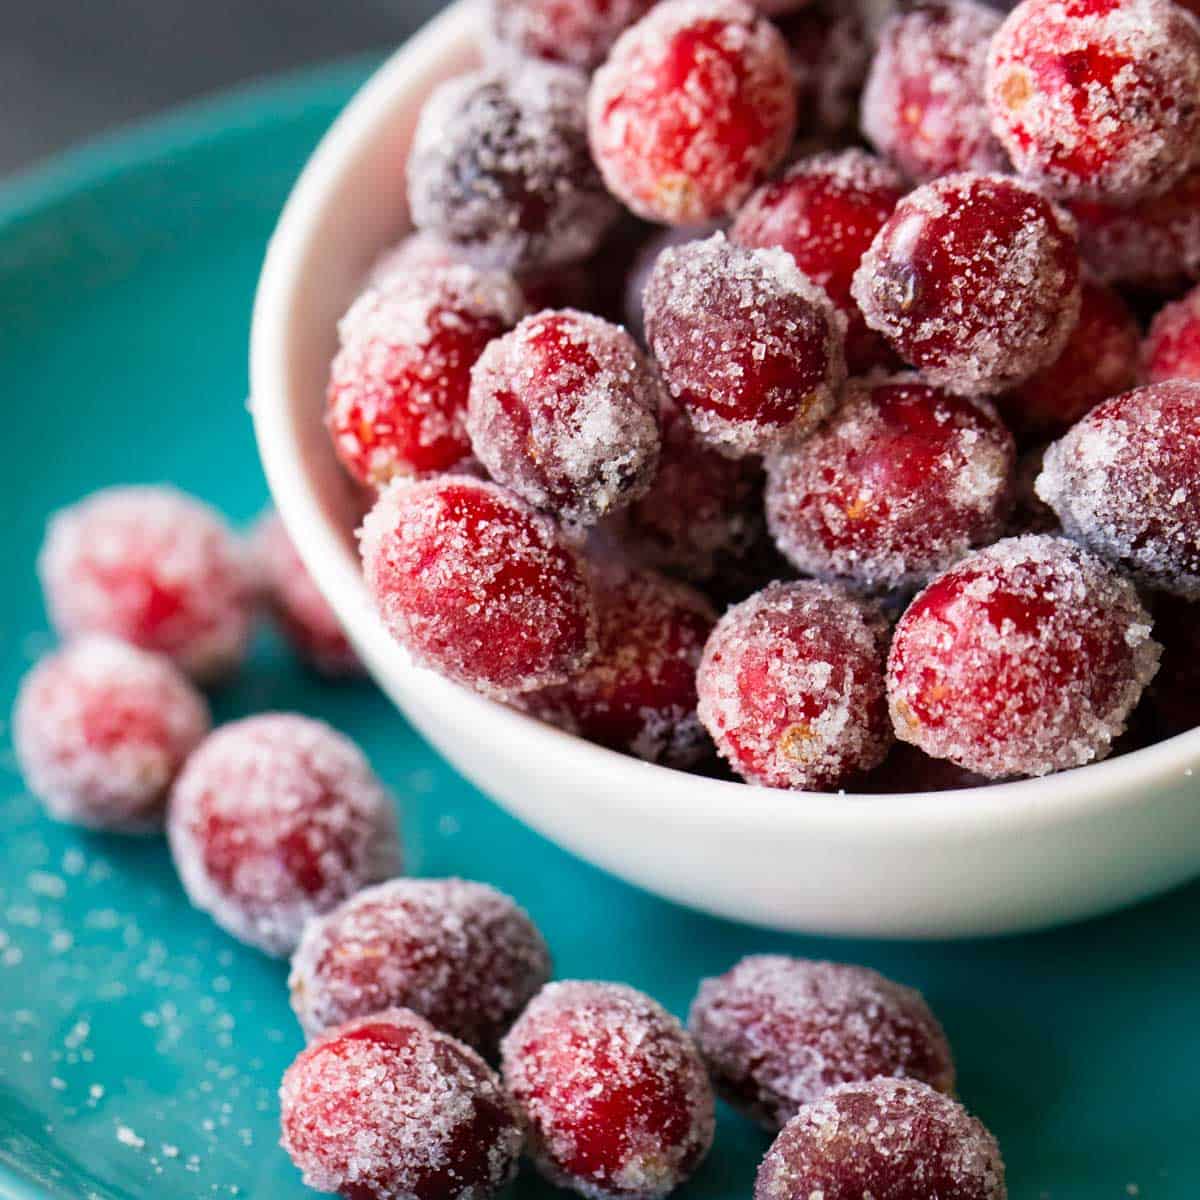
[(997, 859)]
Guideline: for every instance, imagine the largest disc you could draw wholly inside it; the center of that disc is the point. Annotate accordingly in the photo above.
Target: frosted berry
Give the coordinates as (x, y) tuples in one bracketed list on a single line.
[(1096, 99), (778, 1032), (748, 346), (579, 32), (387, 1108), (791, 687), (477, 585), (891, 1139), (942, 280), (275, 819), (462, 955), (695, 106), (1172, 346), (1023, 659), (101, 729), (614, 1095)]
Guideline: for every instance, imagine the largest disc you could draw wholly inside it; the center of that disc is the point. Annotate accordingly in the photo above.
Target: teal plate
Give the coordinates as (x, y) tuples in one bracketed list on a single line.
[(140, 1048)]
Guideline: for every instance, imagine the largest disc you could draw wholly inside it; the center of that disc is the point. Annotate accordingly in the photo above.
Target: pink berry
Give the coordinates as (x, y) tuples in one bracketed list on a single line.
[(101, 729), (564, 411), (693, 109), (460, 954), (1023, 659), (1095, 99), (901, 482), (579, 32), (414, 254), (614, 1095), (778, 1032), (1125, 481), (275, 819), (891, 1139), (153, 567), (791, 687), (942, 277), (1172, 346), (477, 585), (825, 211), (748, 346), (387, 1108)]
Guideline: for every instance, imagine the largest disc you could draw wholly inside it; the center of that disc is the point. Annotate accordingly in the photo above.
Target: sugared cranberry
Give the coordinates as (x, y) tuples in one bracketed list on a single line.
[(1023, 659), (276, 819), (1125, 481), (460, 954), (477, 585), (923, 105), (1096, 99), (1172, 346), (579, 32), (633, 299), (564, 411), (101, 730), (614, 1095), (896, 486), (387, 1108), (891, 1139), (748, 346), (825, 211), (1174, 695), (791, 687), (778, 1032), (693, 109), (500, 168), (974, 279)]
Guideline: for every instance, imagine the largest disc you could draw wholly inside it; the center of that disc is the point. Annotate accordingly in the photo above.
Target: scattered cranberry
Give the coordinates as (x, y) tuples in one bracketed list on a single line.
[(579, 32), (460, 954), (477, 585), (1174, 694), (942, 280), (1023, 659), (825, 211), (614, 1095), (896, 486), (747, 344), (1172, 346), (892, 1139), (387, 1108), (101, 729), (276, 819), (693, 109), (791, 687)]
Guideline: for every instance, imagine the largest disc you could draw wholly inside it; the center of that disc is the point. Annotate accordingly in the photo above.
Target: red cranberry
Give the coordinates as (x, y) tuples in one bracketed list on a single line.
[(791, 687), (614, 1095), (276, 819), (101, 729), (1172, 346), (1174, 694), (892, 1139), (693, 109), (778, 1032), (579, 32), (941, 279), (896, 486), (1023, 659), (387, 1108)]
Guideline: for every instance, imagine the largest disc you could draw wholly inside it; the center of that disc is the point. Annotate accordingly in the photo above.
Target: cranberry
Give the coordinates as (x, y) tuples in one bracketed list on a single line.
[(579, 32), (633, 306), (1172, 346)]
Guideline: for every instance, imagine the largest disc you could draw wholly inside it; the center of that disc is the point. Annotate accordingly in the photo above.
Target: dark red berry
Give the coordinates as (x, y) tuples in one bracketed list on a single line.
[(1172, 346)]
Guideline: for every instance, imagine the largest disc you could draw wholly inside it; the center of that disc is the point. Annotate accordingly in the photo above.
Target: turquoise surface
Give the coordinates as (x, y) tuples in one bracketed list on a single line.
[(140, 1048)]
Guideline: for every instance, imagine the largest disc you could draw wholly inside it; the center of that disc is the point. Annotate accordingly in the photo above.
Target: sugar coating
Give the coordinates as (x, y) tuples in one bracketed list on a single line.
[(276, 819), (500, 167), (101, 730), (414, 253), (830, 48), (614, 1094), (1172, 346), (387, 1108), (1124, 482), (748, 345), (899, 484), (1025, 658), (477, 585), (778, 1032), (579, 32), (693, 109), (791, 687), (923, 104), (974, 279), (154, 567), (564, 410), (888, 1139), (1097, 99)]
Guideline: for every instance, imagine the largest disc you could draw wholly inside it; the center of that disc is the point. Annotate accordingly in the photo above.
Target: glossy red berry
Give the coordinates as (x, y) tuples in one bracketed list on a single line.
[(1172, 346)]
